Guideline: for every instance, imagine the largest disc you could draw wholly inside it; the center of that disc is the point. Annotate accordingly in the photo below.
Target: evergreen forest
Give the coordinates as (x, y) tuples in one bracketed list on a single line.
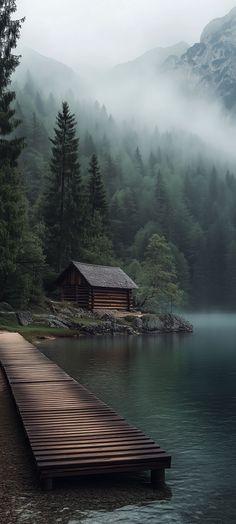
[(77, 184)]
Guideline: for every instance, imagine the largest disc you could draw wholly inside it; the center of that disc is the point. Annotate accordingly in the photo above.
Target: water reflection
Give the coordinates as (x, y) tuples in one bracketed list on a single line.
[(180, 390)]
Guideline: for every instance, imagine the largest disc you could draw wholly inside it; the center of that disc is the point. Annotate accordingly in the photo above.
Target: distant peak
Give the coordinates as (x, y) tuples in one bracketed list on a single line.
[(156, 56), (219, 25)]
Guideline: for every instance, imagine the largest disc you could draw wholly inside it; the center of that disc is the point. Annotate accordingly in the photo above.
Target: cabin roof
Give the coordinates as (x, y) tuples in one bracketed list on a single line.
[(104, 276)]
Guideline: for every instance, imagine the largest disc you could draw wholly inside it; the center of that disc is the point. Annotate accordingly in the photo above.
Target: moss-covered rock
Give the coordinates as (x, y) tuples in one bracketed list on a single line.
[(8, 318), (4, 306)]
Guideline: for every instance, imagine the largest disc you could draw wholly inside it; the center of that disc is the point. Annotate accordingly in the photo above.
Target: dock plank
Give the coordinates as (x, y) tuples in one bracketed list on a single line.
[(70, 431)]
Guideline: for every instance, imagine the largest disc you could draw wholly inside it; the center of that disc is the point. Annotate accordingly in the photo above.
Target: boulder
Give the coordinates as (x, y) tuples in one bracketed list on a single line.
[(152, 323), (5, 307), (24, 318), (56, 322), (168, 323), (7, 315), (137, 323), (103, 315), (8, 318)]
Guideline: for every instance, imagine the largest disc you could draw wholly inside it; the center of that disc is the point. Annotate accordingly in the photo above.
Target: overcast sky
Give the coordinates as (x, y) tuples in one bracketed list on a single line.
[(107, 32)]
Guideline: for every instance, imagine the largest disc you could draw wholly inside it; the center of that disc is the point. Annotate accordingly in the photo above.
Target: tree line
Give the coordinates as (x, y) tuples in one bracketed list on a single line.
[(152, 202)]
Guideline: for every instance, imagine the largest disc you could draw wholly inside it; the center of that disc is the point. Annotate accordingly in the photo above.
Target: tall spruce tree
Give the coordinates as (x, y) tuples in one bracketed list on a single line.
[(10, 147), (97, 247), (63, 201), (97, 194), (12, 208)]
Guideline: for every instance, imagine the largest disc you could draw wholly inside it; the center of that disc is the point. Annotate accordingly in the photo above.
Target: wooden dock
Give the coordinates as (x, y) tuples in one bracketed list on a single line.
[(70, 431)]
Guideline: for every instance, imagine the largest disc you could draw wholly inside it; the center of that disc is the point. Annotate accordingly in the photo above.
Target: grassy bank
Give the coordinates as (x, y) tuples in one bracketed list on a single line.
[(39, 327), (33, 333), (65, 319)]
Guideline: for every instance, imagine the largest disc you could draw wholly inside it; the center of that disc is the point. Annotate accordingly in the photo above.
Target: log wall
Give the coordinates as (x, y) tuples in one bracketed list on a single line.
[(80, 294), (104, 298), (75, 288)]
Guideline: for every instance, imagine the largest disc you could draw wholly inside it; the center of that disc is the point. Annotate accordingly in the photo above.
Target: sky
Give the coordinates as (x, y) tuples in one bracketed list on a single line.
[(108, 32)]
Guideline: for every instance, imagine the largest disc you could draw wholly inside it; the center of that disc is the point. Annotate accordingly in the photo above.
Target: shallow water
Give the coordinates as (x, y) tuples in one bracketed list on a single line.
[(181, 390)]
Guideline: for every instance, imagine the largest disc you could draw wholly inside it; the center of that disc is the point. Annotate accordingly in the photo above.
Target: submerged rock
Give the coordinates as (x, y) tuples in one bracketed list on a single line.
[(168, 323), (105, 328)]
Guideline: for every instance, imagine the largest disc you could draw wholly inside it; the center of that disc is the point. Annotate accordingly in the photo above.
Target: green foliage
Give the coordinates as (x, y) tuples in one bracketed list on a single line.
[(96, 191), (12, 223), (20, 251), (158, 277), (21, 255), (63, 199), (97, 246), (170, 184), (10, 147)]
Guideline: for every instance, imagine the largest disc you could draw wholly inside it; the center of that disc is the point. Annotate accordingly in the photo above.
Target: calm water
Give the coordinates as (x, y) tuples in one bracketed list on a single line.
[(181, 390)]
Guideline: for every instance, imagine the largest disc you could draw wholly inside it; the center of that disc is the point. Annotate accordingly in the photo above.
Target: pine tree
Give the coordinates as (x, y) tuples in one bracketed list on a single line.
[(152, 163), (199, 264), (29, 87), (88, 145), (10, 148), (97, 195), (139, 162), (163, 209), (159, 284), (40, 104), (12, 224), (63, 199), (97, 245), (112, 175), (12, 204)]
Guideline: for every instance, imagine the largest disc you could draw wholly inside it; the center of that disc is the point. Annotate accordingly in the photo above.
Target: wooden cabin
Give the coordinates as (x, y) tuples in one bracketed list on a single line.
[(96, 287)]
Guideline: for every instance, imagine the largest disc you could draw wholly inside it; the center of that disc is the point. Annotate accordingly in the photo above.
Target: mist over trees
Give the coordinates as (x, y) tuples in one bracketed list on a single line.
[(157, 203), (135, 185)]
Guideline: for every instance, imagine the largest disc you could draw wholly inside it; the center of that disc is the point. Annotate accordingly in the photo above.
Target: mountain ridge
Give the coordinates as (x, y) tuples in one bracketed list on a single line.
[(210, 64), (49, 74), (152, 58)]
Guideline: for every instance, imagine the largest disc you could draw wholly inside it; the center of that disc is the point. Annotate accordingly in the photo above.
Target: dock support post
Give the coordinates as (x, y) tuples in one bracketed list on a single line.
[(157, 478), (47, 484)]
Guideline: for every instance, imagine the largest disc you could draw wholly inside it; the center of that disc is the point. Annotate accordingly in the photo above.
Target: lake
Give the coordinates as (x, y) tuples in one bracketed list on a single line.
[(181, 390)]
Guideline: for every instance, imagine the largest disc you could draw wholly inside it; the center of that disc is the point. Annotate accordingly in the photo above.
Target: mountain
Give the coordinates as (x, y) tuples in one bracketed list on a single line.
[(48, 74), (211, 63), (150, 61)]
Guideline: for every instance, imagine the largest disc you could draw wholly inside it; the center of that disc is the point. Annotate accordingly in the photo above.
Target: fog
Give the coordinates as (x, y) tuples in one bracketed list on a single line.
[(161, 100), (93, 37), (109, 31), (153, 96)]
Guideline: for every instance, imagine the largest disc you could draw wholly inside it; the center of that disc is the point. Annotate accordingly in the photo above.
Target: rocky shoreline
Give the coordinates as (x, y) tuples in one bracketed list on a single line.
[(69, 317)]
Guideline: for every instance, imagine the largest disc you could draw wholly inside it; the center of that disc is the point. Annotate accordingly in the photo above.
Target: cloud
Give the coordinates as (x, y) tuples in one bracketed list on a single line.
[(111, 31)]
